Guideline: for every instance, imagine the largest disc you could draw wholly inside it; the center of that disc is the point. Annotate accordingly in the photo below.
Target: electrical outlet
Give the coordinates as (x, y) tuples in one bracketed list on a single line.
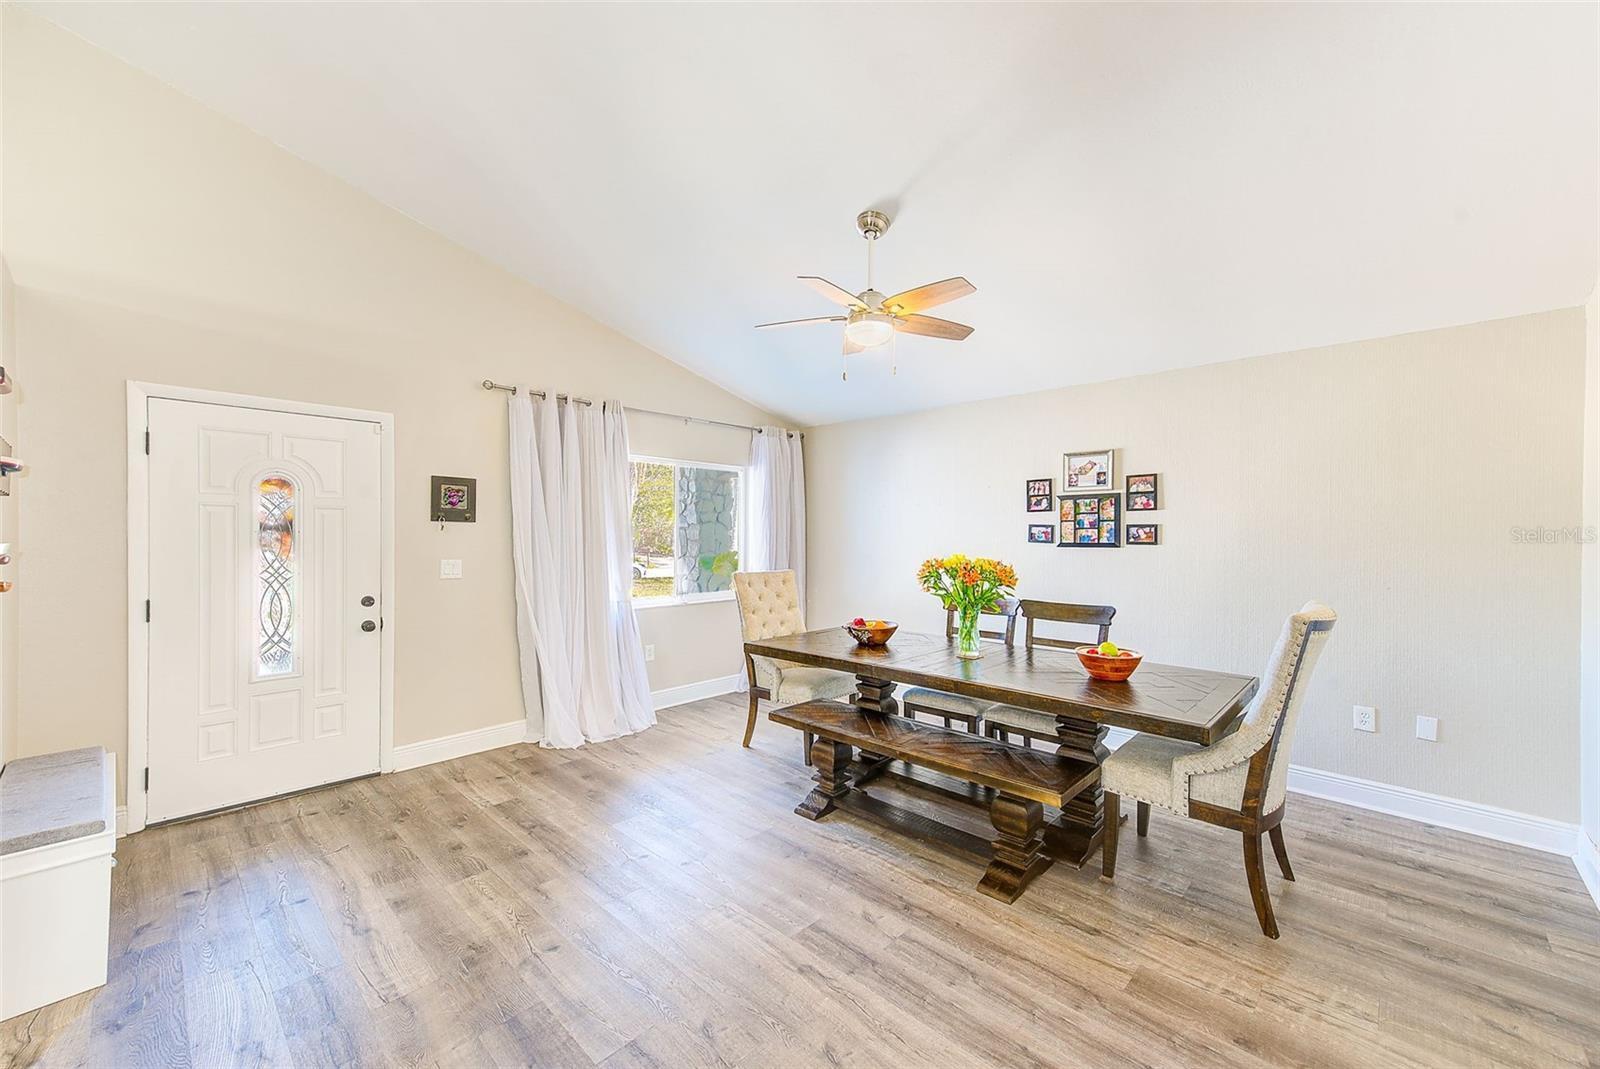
[(1366, 718), (650, 651), (1428, 728), (449, 569)]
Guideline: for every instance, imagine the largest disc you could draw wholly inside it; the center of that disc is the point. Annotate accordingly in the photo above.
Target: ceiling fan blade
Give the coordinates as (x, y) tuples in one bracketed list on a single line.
[(802, 322), (931, 327), (834, 293), (923, 297)]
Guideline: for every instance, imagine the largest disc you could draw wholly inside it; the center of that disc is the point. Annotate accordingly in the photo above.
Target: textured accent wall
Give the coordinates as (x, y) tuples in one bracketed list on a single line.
[(1389, 478)]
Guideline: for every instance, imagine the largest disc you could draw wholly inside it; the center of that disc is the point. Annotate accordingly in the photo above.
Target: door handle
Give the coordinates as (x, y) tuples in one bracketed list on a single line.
[(368, 625), (368, 602)]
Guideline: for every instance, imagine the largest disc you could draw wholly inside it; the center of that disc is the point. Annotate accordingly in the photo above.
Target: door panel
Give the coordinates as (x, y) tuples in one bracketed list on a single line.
[(264, 537)]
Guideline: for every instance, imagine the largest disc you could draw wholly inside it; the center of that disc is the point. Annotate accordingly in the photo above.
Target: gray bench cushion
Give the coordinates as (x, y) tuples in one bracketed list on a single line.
[(52, 798)]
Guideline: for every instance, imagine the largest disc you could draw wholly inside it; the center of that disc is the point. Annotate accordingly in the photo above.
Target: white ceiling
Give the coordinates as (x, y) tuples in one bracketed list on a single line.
[(1131, 188)]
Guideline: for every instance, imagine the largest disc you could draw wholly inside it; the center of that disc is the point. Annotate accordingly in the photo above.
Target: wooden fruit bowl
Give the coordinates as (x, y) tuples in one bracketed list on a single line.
[(872, 636), (1109, 669)]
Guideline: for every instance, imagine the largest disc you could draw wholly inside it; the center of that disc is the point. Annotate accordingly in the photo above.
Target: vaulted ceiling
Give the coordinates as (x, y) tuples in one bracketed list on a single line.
[(1131, 188)]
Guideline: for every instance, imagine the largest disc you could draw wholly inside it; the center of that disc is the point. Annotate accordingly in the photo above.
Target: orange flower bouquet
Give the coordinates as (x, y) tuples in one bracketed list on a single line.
[(970, 585)]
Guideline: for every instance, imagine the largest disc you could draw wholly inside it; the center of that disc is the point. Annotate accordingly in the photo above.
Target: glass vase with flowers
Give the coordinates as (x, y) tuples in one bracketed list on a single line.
[(969, 585)]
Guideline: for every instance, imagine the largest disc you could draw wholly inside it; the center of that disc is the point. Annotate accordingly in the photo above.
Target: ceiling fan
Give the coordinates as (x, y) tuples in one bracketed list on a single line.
[(874, 319)]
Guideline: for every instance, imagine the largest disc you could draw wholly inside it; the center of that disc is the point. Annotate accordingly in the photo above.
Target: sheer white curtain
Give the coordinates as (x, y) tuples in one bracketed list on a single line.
[(777, 524), (571, 548)]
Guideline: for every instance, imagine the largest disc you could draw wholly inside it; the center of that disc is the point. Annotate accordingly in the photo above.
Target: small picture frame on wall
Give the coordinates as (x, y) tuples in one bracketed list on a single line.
[(1041, 533), (1090, 519), (453, 499), (1144, 494), (1144, 534), (1040, 491), (1092, 470)]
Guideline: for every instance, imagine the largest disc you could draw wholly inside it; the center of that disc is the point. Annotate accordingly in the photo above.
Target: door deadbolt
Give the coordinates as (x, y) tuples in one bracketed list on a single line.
[(368, 625), (368, 602)]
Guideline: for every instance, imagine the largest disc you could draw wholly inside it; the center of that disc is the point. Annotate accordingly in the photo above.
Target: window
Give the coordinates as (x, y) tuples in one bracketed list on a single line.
[(275, 576), (685, 529)]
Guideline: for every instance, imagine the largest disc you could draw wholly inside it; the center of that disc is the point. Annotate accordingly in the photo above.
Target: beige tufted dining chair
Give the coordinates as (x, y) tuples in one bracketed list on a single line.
[(1239, 782), (769, 607)]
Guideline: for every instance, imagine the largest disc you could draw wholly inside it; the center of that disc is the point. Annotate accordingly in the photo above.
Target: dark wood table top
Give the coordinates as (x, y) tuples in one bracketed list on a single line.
[(1191, 704)]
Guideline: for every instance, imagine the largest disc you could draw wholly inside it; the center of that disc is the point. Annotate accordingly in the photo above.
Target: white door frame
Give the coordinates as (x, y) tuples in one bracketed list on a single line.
[(139, 567)]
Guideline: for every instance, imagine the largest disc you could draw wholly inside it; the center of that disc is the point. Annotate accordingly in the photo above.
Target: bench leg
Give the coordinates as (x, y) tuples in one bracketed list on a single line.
[(1017, 847), (832, 761)]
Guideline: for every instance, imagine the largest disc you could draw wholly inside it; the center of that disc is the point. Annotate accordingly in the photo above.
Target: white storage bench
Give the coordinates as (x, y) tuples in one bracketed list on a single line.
[(58, 831)]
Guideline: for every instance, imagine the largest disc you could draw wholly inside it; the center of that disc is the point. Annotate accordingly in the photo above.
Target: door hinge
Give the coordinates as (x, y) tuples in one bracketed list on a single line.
[(146, 610), (147, 441), (380, 623), (147, 781)]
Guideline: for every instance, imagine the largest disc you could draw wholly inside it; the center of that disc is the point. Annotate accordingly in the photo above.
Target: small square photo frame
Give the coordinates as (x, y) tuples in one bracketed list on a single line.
[(1040, 493), (1144, 493), (1144, 534), (453, 499), (1041, 533), (1088, 471)]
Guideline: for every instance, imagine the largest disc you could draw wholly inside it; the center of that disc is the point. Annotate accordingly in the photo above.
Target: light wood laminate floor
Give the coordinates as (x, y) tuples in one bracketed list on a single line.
[(654, 901)]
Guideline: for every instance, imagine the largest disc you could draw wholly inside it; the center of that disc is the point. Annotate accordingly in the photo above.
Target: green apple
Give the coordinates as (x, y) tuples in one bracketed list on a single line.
[(1108, 649)]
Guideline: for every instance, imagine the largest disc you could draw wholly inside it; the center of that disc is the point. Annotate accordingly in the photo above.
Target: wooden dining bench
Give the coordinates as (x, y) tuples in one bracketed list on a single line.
[(1024, 781)]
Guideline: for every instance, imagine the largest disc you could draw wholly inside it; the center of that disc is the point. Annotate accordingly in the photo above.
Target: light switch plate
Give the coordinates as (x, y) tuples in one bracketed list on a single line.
[(650, 651), (449, 569), (1428, 728), (1366, 718)]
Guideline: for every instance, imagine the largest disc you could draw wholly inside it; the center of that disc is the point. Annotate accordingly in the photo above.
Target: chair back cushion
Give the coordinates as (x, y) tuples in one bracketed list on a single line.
[(769, 604), (1217, 770)]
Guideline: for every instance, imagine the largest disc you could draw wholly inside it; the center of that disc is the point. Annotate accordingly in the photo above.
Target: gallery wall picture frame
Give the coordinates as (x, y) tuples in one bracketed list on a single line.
[(1144, 534), (1090, 520), (1088, 470), (1041, 533), (1144, 492), (1040, 492), (453, 499)]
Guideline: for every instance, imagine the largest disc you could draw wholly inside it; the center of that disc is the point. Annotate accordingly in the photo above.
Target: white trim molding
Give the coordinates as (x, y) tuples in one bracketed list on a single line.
[(132, 818), (1474, 818), (1587, 858), (693, 692), (464, 744)]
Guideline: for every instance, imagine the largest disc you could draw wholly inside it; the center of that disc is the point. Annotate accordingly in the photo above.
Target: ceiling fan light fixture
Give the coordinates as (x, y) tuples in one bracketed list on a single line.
[(868, 330)]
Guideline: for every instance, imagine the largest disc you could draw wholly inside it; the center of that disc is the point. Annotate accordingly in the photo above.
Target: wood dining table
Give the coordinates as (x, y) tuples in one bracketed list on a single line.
[(1191, 704)]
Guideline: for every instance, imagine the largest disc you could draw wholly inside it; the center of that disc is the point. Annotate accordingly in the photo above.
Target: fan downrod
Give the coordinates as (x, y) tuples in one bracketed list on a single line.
[(872, 224)]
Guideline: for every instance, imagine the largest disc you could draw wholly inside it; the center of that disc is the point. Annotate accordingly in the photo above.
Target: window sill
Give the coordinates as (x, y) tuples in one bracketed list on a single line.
[(682, 599)]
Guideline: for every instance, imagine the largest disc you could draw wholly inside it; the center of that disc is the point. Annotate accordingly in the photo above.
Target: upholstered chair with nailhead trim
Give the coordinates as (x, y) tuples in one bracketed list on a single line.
[(769, 607), (1239, 782)]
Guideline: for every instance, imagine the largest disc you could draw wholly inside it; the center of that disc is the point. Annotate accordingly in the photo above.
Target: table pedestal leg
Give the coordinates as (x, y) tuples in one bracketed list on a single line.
[(876, 696), (832, 761), (1076, 834), (1017, 855)]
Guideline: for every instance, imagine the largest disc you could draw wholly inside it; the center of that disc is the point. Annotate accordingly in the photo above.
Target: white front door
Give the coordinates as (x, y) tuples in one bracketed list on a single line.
[(265, 561)]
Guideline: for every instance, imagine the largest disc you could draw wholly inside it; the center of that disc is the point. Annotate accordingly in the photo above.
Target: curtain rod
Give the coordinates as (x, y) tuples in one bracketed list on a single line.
[(490, 384)]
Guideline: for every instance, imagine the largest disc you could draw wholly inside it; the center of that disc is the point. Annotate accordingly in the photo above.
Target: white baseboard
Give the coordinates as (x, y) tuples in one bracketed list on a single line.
[(1474, 818), (1587, 858), (1490, 822), (449, 747), (693, 692), (122, 821)]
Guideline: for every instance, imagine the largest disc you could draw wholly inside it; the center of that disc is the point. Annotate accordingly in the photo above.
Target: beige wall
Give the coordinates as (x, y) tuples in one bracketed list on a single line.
[(1382, 477), (152, 239)]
